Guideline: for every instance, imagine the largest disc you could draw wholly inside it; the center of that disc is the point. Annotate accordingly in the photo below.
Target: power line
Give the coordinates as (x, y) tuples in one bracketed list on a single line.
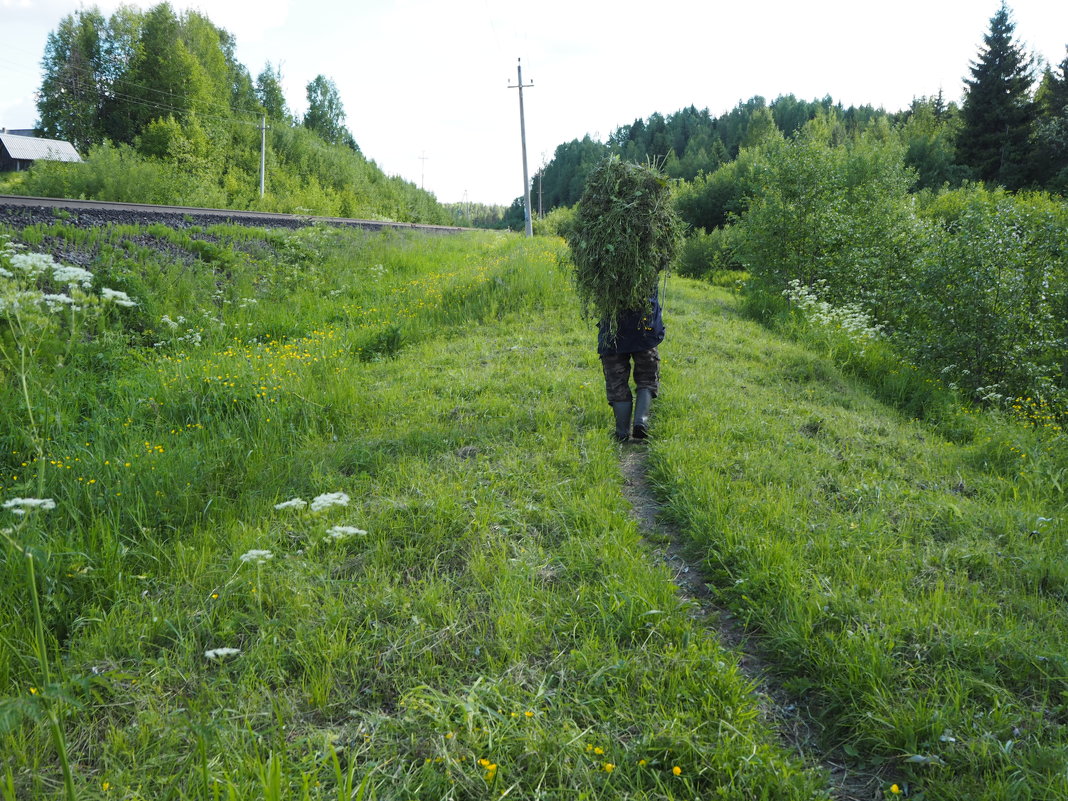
[(103, 95), (115, 87), (114, 93)]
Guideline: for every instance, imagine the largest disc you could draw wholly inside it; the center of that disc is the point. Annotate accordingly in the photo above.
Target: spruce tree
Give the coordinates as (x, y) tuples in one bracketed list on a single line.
[(1052, 95), (1051, 129), (998, 111)]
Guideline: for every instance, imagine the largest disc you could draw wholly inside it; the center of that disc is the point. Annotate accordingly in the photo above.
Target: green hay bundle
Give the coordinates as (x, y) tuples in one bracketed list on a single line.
[(624, 235)]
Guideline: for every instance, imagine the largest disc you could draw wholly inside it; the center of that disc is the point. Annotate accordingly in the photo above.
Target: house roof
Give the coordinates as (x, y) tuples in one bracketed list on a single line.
[(31, 148)]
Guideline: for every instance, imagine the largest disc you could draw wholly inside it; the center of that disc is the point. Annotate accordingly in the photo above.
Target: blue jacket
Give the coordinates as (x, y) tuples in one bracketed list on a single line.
[(635, 330)]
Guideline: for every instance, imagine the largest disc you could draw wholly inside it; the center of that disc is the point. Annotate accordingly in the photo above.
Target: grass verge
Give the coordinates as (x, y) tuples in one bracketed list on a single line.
[(470, 613), (908, 579)]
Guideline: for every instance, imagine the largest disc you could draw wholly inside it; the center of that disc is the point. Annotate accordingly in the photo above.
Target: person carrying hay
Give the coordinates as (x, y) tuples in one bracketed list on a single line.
[(623, 239)]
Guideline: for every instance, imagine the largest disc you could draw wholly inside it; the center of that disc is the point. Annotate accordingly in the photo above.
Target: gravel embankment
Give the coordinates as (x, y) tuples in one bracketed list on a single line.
[(19, 213), (23, 212)]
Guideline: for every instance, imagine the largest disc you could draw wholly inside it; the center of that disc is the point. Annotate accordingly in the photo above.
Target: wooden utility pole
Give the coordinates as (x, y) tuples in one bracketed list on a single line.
[(523, 134)]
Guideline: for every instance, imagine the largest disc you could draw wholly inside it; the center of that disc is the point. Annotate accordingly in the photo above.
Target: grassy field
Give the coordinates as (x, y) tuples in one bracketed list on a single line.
[(908, 578), (338, 515)]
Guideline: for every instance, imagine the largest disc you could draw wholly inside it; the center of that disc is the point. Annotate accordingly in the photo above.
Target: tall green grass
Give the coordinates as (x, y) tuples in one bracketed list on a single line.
[(480, 619), (907, 578)]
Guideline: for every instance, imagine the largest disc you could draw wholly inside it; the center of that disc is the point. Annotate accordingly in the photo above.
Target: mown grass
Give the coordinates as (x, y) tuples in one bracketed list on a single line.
[(498, 630), (908, 579)]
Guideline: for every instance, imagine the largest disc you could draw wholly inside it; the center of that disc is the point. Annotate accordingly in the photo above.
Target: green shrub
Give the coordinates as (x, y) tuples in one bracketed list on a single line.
[(121, 174), (990, 300), (10, 181), (840, 214), (558, 222), (175, 166), (704, 254)]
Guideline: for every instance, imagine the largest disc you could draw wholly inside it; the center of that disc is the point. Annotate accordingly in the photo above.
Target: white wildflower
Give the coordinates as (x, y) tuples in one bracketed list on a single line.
[(15, 301), (167, 321), (343, 532), (259, 557), (850, 318), (65, 274), (5, 274), (328, 499), (292, 503), (55, 302), (32, 264), (19, 506), (117, 296), (219, 653)]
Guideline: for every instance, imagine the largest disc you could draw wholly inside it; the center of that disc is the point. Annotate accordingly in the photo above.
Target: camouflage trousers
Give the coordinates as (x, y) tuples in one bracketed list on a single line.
[(617, 373)]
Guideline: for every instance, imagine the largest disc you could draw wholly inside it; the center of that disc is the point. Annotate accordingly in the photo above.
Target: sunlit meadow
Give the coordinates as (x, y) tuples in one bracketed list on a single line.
[(329, 514), (333, 515)]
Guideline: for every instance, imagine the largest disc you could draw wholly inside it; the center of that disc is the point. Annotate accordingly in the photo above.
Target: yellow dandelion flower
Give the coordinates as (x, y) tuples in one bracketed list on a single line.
[(895, 789), (642, 762), (677, 770), (598, 750), (609, 767), (529, 713)]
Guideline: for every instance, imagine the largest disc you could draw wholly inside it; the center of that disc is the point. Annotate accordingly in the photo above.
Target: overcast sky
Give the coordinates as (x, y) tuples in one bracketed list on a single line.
[(425, 82)]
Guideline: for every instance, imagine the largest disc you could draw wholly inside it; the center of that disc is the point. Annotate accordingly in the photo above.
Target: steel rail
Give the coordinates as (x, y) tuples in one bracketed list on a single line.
[(235, 215)]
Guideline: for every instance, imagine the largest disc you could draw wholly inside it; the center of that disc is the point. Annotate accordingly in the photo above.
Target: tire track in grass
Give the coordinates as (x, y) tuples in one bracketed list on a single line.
[(797, 733)]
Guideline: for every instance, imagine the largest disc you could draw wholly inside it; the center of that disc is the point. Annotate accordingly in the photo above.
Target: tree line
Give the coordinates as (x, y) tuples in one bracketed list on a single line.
[(1011, 130), (161, 97), (938, 230)]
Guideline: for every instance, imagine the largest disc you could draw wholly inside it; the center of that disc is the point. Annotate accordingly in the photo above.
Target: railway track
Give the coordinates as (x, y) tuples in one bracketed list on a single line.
[(21, 211)]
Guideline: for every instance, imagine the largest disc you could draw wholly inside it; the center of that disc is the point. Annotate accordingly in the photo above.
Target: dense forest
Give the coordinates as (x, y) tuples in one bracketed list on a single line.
[(166, 114)]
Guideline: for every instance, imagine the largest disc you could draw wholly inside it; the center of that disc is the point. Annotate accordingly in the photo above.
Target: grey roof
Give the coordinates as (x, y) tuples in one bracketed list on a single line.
[(31, 148)]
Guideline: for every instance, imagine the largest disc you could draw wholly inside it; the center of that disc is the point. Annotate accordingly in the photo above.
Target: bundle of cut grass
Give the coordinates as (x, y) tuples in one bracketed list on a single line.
[(624, 235)]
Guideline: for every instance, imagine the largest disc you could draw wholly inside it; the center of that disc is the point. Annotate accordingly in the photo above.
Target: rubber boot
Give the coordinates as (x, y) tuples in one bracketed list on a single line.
[(643, 400), (622, 410)]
